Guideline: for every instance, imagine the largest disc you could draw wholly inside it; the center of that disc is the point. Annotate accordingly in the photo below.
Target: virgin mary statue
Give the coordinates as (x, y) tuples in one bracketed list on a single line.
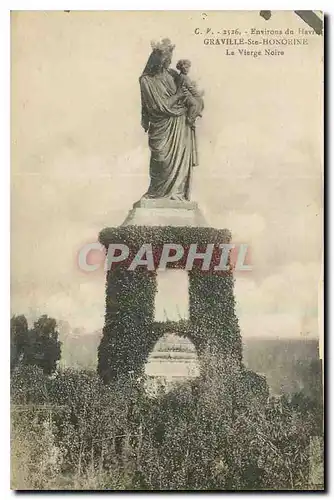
[(171, 140)]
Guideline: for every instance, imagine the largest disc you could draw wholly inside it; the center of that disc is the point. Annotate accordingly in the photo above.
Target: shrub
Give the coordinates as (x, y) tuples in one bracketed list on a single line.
[(218, 432)]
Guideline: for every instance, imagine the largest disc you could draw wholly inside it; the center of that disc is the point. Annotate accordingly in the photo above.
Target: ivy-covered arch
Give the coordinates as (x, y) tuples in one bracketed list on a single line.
[(130, 332)]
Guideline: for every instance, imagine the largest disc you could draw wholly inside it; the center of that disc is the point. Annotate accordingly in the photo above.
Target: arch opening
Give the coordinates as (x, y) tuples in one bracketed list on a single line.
[(173, 360), (172, 297)]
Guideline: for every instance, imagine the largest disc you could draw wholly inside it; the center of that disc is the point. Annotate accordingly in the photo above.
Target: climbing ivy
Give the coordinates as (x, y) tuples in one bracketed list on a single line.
[(130, 332)]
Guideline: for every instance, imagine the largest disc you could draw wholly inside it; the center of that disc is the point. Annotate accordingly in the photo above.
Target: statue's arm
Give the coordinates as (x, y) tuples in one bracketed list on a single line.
[(176, 97), (153, 98), (145, 119), (174, 74), (179, 93)]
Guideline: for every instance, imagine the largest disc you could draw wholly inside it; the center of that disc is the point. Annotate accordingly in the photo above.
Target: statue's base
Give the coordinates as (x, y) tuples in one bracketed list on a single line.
[(165, 212)]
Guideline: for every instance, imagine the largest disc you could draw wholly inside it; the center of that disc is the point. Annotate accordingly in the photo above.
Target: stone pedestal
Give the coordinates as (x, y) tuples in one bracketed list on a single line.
[(165, 212), (131, 331)]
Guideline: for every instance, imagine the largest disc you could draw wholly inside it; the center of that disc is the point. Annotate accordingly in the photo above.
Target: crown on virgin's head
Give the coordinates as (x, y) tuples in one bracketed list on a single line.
[(165, 45)]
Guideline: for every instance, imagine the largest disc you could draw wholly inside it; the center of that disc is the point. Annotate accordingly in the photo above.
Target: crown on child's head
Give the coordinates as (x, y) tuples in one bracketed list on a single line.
[(165, 45)]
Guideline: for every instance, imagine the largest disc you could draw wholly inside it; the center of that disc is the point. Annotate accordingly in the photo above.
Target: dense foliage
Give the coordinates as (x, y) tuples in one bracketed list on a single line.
[(218, 432), (130, 332), (128, 335), (136, 236), (38, 346)]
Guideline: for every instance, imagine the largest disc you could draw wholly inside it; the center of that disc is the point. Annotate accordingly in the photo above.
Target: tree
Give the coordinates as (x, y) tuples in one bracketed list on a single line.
[(38, 346), (44, 348), (18, 339)]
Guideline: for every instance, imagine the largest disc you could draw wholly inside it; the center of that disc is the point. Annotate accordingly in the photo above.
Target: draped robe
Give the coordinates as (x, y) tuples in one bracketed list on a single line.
[(171, 140)]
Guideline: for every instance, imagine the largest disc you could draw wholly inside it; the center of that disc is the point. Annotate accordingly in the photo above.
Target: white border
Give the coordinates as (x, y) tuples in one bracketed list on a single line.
[(6, 6)]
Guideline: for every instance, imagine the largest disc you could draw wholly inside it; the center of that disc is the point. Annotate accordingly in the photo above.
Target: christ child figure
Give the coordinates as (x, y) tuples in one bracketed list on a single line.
[(193, 97)]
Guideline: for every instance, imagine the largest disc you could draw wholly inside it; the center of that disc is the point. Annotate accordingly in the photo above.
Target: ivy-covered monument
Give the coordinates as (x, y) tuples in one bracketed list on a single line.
[(166, 218), (130, 332)]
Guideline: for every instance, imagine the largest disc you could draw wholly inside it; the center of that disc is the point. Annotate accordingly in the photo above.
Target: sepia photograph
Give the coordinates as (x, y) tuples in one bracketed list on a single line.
[(167, 220)]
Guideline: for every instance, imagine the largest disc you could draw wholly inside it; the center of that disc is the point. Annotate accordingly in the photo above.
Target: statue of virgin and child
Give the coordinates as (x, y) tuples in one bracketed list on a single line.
[(171, 104)]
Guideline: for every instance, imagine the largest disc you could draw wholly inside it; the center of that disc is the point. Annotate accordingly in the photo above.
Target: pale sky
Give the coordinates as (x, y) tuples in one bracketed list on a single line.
[(80, 157)]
